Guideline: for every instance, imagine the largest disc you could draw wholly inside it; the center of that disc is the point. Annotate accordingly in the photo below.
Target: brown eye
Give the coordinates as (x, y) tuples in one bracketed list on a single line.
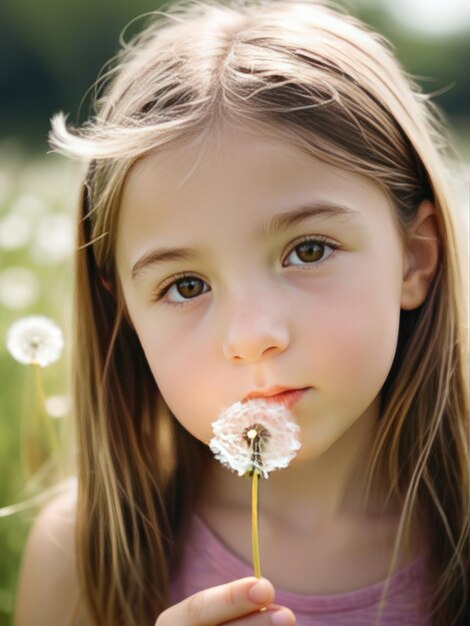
[(186, 288), (189, 287), (312, 251)]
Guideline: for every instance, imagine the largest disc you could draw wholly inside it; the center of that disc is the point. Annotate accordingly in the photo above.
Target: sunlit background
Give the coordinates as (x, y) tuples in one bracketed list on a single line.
[(51, 53)]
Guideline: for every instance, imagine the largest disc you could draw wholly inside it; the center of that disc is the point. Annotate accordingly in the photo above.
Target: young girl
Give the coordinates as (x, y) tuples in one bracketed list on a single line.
[(265, 206)]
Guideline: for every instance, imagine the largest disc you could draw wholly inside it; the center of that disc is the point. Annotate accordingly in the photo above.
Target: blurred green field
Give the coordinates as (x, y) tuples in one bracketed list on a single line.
[(37, 204), (38, 197)]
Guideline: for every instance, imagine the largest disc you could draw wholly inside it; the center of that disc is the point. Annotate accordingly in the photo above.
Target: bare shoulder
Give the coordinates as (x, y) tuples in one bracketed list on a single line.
[(47, 590)]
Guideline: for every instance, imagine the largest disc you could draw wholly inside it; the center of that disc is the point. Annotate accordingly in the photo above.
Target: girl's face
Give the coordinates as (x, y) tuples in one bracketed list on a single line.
[(311, 302)]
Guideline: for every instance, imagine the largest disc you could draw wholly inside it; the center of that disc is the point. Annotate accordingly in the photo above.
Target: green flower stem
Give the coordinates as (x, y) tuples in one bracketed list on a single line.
[(254, 523), (42, 403)]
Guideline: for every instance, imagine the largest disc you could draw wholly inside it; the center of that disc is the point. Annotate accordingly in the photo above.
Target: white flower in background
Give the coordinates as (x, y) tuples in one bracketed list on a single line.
[(54, 239), (15, 231), (29, 205), (54, 180), (51, 179), (255, 435), (35, 339), (58, 406), (19, 287)]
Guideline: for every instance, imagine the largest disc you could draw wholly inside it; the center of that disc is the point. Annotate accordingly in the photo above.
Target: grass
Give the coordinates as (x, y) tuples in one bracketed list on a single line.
[(36, 189)]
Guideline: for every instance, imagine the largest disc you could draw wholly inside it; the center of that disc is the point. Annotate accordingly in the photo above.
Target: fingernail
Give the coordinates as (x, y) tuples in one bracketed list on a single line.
[(282, 618), (261, 591)]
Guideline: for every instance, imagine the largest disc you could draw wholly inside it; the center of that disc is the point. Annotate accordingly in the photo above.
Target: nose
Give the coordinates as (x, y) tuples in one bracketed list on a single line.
[(255, 332)]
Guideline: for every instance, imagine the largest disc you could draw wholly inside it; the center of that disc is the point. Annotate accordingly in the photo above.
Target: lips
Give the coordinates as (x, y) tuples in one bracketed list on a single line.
[(285, 395)]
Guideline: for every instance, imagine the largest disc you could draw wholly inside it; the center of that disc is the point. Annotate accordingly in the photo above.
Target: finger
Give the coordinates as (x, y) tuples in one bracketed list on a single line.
[(275, 615), (214, 606)]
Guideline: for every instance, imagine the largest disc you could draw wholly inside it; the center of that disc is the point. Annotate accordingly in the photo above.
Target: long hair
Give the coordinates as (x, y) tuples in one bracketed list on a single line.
[(322, 80)]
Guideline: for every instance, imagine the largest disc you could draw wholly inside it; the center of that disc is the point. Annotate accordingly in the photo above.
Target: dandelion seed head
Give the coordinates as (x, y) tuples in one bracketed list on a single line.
[(258, 432), (35, 339), (255, 435)]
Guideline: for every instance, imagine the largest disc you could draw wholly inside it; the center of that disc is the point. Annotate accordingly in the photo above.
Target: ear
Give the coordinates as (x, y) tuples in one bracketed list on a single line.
[(421, 256)]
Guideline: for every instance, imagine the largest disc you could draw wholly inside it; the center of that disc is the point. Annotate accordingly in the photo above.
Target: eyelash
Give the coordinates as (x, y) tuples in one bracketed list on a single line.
[(166, 286)]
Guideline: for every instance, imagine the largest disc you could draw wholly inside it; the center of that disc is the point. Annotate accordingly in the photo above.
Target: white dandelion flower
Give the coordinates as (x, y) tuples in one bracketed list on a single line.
[(35, 339), (255, 435)]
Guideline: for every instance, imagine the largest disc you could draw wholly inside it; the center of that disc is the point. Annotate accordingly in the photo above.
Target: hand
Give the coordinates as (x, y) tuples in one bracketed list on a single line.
[(237, 603)]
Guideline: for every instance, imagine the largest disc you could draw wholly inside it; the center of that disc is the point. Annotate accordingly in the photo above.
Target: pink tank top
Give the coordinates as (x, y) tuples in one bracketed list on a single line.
[(207, 562)]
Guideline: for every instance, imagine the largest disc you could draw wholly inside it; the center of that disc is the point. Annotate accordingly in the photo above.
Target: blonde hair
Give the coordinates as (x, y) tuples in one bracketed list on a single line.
[(321, 79)]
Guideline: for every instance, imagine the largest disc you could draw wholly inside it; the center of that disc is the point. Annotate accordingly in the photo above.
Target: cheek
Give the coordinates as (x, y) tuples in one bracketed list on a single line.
[(354, 336), (362, 348), (181, 373)]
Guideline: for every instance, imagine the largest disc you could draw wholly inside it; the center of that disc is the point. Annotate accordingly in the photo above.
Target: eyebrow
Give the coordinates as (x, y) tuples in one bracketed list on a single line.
[(278, 223)]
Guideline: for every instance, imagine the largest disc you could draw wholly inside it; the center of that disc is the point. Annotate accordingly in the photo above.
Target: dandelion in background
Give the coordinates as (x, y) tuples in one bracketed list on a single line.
[(35, 340), (38, 341), (254, 438)]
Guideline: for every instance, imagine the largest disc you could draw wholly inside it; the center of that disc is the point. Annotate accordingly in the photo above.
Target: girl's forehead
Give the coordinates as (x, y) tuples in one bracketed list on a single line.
[(183, 196), (199, 156), (236, 168)]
